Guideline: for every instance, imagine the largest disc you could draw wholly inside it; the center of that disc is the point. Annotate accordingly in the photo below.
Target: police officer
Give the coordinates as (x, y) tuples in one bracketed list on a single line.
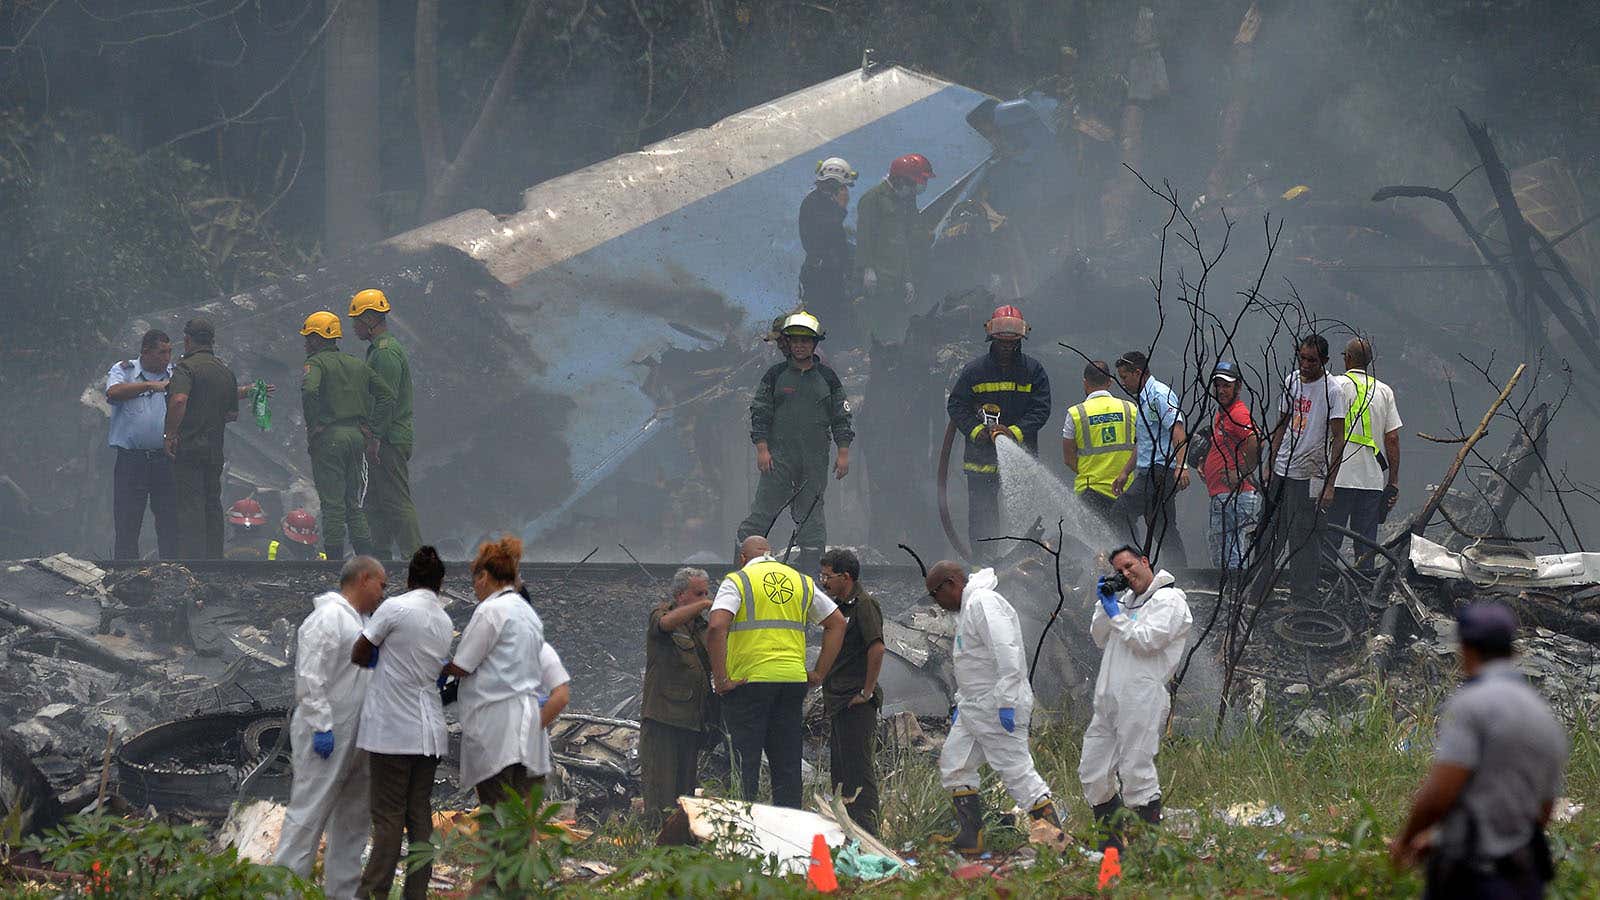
[(1097, 440), (202, 398), (345, 404), (300, 533), (135, 389), (677, 674), (390, 513), (892, 247), (825, 275), (799, 403), (757, 644), (1003, 393), (1497, 769), (851, 693)]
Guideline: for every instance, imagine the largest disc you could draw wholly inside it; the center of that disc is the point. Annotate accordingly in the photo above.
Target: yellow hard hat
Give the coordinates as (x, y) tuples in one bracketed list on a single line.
[(322, 323), (370, 299), (803, 324)]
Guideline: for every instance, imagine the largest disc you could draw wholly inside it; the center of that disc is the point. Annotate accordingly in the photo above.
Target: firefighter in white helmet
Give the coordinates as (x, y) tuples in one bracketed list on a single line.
[(798, 406), (829, 254)]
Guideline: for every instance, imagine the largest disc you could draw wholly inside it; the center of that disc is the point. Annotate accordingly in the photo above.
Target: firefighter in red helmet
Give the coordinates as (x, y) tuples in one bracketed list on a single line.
[(1002, 395), (300, 531), (247, 531), (892, 247)]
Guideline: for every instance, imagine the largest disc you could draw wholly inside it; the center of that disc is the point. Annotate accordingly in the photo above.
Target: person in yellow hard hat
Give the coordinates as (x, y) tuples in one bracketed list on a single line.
[(345, 404), (390, 513)]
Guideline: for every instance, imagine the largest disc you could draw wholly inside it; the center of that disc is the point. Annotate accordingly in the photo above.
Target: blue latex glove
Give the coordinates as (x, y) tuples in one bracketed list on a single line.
[(443, 675), (373, 662), (1108, 599), (322, 743), (1008, 719), (953, 713)]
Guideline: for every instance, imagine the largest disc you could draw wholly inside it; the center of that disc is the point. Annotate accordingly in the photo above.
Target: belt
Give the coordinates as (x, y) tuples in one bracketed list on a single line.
[(147, 454)]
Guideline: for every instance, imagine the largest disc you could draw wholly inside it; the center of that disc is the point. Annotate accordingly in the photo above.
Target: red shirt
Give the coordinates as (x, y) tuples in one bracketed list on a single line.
[(1229, 430)]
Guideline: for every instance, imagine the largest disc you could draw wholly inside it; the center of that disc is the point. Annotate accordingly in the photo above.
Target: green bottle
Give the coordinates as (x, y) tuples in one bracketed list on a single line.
[(258, 405)]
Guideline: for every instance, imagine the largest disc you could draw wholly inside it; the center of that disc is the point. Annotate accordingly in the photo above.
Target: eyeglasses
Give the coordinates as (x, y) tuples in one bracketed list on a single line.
[(934, 593)]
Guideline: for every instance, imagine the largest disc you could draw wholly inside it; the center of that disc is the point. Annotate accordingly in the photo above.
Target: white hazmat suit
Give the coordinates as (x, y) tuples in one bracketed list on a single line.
[(991, 672), (1143, 646), (328, 793)]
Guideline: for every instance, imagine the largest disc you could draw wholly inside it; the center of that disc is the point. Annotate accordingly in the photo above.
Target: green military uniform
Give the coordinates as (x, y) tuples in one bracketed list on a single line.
[(677, 678), (197, 471), (794, 412), (853, 730), (891, 242), (390, 513), (343, 400)]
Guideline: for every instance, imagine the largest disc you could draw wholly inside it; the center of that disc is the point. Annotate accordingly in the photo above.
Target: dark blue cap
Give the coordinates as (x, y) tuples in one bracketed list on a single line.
[(1225, 370), (1486, 625)]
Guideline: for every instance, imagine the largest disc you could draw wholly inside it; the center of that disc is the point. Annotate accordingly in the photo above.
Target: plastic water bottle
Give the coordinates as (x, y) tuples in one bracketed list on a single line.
[(259, 406)]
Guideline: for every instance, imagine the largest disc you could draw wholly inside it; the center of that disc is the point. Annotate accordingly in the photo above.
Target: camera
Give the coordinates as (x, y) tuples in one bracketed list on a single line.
[(1116, 582)]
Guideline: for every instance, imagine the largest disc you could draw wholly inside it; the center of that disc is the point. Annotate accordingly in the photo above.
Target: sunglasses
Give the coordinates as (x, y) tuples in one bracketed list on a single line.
[(939, 587)]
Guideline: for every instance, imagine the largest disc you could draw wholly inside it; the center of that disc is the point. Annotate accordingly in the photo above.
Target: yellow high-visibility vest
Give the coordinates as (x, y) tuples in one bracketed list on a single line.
[(1102, 427), (1360, 432), (272, 551), (767, 640)]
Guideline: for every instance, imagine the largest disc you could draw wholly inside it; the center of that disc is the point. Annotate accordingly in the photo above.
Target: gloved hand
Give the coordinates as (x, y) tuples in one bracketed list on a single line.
[(869, 279), (443, 676), (1108, 599), (322, 743), (954, 711), (372, 663), (1008, 719)]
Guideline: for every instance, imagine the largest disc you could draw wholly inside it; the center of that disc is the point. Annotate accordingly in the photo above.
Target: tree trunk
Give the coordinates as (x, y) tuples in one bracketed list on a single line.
[(1233, 114), (350, 110)]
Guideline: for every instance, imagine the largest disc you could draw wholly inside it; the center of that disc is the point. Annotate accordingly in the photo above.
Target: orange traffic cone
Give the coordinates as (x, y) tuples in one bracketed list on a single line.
[(820, 874), (1110, 867)]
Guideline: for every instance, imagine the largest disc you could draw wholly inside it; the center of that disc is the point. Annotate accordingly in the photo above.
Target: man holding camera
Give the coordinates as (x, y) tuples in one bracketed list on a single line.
[(1142, 622)]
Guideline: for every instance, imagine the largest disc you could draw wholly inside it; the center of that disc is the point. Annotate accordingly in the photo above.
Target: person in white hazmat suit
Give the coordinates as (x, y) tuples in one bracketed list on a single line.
[(994, 702), (330, 773), (1142, 629)]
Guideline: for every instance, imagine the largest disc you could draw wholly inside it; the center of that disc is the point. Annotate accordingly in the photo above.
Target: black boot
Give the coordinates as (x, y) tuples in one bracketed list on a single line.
[(1150, 812), (968, 841), (1045, 809), (1106, 825)]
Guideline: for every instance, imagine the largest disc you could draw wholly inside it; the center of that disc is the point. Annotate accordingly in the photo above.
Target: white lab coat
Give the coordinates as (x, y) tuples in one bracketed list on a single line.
[(991, 670), (328, 794), (500, 698), (1143, 646)]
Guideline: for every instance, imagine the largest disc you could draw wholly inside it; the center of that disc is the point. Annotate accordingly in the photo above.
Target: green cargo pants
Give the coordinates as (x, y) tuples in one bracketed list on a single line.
[(339, 469), (802, 475), (390, 513), (669, 766)]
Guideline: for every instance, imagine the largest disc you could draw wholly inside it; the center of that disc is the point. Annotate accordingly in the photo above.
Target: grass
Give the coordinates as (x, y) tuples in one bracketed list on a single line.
[(1342, 795)]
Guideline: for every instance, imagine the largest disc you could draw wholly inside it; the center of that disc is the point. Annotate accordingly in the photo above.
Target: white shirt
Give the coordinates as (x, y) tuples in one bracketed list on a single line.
[(1069, 431), (328, 688), (1303, 449), (500, 698), (1360, 467), (822, 606), (403, 715), (552, 674)]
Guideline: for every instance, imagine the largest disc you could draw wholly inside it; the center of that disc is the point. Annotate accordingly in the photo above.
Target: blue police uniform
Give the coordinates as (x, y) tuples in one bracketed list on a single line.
[(143, 472)]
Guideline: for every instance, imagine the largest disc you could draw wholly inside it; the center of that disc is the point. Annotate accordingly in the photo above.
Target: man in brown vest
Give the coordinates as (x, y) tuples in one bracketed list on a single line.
[(677, 679)]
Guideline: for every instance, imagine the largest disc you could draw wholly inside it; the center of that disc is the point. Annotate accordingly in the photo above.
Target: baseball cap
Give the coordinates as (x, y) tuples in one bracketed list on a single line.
[(1486, 625), (1225, 370)]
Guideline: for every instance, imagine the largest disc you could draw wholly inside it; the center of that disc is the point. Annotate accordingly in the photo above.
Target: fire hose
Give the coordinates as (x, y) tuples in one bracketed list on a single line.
[(944, 494)]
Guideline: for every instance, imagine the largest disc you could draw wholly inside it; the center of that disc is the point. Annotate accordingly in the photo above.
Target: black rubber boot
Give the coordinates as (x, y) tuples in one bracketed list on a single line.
[(1045, 809), (968, 841), (1106, 825), (1150, 813)]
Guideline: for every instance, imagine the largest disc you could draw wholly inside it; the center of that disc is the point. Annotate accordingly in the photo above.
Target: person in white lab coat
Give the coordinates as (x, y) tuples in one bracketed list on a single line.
[(402, 724), (1143, 630), (330, 771), (503, 746), (994, 702)]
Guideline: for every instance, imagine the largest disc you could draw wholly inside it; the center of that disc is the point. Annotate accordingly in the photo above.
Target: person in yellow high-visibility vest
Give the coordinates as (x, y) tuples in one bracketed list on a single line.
[(757, 645), (1368, 485), (1097, 440)]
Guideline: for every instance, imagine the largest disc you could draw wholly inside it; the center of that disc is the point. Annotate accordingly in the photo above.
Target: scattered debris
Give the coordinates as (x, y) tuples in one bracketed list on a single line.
[(756, 830), (253, 830), (1257, 814)]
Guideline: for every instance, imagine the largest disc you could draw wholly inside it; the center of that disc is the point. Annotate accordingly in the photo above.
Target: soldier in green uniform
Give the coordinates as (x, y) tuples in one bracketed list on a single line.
[(345, 404), (202, 398), (390, 513), (677, 677), (892, 247), (799, 404)]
